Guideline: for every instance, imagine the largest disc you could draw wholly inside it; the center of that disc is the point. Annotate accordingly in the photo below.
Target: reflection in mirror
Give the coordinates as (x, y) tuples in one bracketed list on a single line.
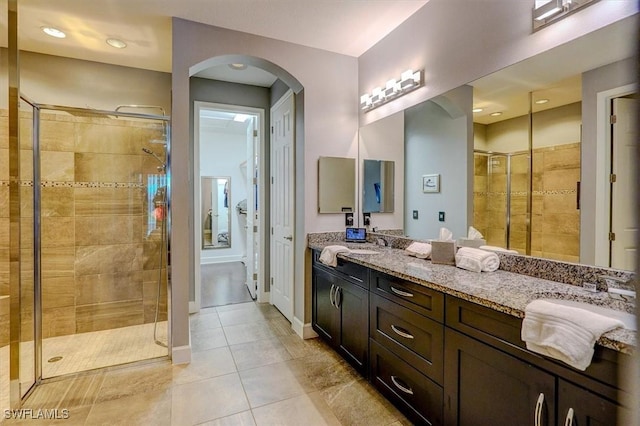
[(336, 184), (216, 199), (377, 186)]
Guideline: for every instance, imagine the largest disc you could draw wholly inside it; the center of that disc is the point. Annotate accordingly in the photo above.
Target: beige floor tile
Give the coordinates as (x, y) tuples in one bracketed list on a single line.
[(206, 400), (300, 348), (280, 326), (201, 322), (205, 365), (208, 339), (148, 408), (241, 419), (308, 410), (272, 383), (48, 395), (243, 333), (235, 307), (134, 380), (259, 353), (325, 371), (242, 316)]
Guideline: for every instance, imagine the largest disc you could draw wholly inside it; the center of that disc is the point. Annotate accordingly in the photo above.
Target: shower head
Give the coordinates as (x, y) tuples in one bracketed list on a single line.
[(163, 165)]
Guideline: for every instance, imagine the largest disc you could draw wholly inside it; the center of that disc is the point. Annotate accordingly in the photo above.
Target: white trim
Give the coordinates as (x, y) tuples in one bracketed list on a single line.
[(603, 169), (264, 296), (305, 331), (221, 259), (193, 308), (181, 355)]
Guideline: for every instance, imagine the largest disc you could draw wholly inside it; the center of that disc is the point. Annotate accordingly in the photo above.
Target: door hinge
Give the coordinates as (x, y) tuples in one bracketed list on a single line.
[(271, 129), (612, 178), (612, 236), (255, 181), (613, 119), (255, 228), (255, 276), (271, 180), (272, 230), (255, 133), (271, 282)]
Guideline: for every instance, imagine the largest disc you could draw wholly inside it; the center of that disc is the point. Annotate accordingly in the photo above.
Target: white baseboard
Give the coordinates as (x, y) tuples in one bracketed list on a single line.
[(193, 307), (221, 259), (303, 330), (181, 355), (264, 297)]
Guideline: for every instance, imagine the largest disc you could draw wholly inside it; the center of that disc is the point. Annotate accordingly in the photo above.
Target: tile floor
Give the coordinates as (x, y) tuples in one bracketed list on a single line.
[(248, 368)]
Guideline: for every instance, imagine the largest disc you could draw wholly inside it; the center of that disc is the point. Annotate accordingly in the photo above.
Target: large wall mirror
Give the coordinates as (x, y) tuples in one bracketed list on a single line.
[(543, 151), (216, 224), (377, 186), (336, 184)]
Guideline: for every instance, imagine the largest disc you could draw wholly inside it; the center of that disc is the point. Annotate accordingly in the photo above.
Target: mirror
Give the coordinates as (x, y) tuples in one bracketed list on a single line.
[(377, 186), (216, 224), (336, 185), (566, 146)]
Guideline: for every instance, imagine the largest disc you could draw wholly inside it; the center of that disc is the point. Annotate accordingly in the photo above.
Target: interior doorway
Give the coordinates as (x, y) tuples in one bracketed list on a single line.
[(227, 148)]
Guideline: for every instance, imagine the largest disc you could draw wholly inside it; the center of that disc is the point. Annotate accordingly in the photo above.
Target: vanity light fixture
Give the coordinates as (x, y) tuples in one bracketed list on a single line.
[(409, 80), (496, 114), (117, 43), (548, 11), (477, 110), (542, 101), (53, 32)]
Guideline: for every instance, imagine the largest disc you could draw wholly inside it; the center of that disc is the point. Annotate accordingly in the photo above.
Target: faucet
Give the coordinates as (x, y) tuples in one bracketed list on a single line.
[(615, 288)]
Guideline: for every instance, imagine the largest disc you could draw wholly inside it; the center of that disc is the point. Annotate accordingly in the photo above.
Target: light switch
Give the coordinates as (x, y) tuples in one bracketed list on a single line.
[(415, 214), (441, 216)]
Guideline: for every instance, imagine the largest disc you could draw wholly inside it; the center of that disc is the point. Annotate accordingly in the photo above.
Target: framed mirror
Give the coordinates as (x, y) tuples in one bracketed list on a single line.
[(377, 186), (216, 217)]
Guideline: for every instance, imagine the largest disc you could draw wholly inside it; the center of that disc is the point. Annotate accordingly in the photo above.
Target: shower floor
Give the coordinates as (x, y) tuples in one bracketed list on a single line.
[(85, 351)]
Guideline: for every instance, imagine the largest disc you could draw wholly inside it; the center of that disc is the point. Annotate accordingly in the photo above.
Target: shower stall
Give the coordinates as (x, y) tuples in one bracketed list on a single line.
[(94, 226)]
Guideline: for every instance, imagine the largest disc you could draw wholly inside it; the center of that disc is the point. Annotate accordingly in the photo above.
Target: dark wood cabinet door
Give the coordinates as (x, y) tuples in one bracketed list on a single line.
[(587, 408), (325, 315), (353, 301), (485, 386)]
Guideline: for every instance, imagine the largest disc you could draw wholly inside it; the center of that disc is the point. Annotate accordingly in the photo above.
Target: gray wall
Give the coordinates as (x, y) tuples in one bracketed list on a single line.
[(438, 140), (598, 80)]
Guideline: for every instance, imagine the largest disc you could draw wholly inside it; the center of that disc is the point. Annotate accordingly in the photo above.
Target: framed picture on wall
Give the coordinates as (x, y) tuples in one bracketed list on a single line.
[(430, 183)]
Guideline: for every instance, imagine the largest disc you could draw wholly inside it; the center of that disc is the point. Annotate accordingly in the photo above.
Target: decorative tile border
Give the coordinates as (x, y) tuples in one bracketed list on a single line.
[(53, 184), (523, 193)]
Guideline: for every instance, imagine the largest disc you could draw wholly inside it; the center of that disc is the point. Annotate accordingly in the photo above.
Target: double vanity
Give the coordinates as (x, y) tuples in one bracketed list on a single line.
[(443, 344)]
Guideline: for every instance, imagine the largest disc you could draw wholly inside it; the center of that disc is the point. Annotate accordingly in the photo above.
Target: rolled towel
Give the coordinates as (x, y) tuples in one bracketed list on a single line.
[(419, 250), (329, 254), (498, 249), (563, 332), (476, 260)]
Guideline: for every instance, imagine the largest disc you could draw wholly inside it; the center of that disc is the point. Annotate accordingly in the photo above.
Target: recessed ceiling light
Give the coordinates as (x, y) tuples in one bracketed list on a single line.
[(477, 110), (495, 114), (53, 32), (117, 43), (238, 67), (542, 101)]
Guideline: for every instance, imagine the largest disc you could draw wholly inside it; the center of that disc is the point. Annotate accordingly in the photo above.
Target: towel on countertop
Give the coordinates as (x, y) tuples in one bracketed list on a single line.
[(476, 260), (498, 249), (329, 254), (564, 332), (419, 250)]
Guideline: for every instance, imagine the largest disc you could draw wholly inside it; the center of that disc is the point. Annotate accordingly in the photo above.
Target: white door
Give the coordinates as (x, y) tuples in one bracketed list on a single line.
[(624, 218), (282, 204), (252, 213)]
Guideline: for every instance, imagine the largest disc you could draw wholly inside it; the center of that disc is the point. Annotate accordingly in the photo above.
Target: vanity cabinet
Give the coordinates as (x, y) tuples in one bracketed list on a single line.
[(340, 310)]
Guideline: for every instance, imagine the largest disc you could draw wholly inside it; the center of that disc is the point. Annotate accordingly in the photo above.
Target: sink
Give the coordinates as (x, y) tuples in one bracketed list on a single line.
[(628, 319)]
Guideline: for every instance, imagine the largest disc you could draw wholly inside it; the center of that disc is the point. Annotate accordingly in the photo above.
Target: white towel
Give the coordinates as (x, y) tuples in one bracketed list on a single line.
[(476, 260), (419, 250), (563, 332), (329, 254), (498, 249)]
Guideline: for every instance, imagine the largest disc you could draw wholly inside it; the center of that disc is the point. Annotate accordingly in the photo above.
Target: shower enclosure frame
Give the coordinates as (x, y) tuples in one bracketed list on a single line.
[(37, 216)]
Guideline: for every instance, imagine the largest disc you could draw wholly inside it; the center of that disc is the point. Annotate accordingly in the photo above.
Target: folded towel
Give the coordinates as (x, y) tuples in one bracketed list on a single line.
[(419, 250), (498, 249), (329, 254), (476, 260), (563, 332)]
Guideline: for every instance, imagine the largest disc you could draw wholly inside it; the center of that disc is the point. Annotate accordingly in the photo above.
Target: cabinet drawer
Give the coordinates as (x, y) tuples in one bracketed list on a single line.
[(425, 301), (419, 398), (416, 339), (357, 273)]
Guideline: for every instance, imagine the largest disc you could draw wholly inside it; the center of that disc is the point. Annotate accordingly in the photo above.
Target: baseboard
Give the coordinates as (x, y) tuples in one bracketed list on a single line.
[(221, 259), (193, 307), (181, 355), (264, 297), (303, 330)]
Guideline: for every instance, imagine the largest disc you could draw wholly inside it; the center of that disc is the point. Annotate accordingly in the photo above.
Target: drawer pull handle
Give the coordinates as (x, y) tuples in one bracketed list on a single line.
[(331, 296), (335, 297), (538, 418), (356, 278), (400, 292), (569, 420), (402, 332), (406, 389)]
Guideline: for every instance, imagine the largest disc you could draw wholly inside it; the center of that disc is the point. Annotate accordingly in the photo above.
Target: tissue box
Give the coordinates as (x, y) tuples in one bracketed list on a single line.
[(443, 252), (466, 242)]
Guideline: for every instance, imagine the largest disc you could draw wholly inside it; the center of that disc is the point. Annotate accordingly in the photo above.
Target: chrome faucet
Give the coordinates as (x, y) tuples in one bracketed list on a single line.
[(615, 288)]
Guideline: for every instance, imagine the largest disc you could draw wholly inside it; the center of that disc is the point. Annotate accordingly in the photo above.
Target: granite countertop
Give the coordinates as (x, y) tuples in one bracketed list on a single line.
[(502, 291)]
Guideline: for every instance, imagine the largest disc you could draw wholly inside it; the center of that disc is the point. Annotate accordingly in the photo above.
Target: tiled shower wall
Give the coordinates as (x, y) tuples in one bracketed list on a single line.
[(555, 219), (100, 251)]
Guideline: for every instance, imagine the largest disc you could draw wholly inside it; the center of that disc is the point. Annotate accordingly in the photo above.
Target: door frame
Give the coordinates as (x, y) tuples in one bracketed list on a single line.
[(263, 166), (603, 169)]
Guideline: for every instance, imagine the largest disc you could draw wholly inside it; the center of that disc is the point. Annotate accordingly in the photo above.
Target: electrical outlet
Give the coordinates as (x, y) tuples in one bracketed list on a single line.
[(366, 219), (348, 219), (415, 214), (441, 216)]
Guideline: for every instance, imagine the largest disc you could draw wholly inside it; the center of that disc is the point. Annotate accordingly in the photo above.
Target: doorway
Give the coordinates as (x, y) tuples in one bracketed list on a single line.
[(227, 149)]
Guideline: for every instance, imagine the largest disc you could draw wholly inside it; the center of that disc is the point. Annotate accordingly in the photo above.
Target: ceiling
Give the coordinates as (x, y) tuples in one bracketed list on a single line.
[(348, 27)]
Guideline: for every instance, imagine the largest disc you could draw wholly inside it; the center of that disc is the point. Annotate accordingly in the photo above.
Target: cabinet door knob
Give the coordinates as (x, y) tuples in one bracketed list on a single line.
[(568, 421), (406, 389), (401, 332), (331, 297), (400, 292), (539, 404)]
